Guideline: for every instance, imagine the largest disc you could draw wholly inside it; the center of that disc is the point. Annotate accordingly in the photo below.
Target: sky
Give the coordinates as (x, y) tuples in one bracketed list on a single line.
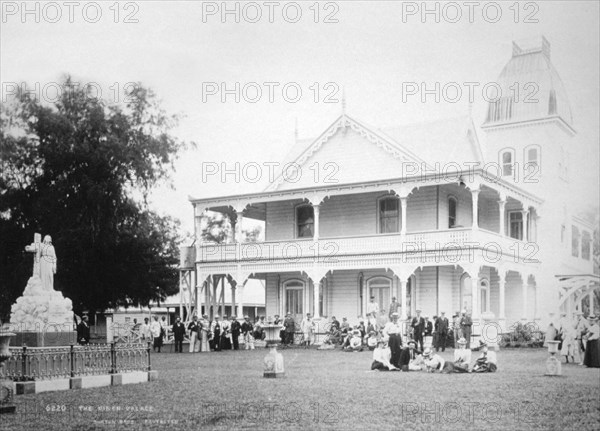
[(367, 51)]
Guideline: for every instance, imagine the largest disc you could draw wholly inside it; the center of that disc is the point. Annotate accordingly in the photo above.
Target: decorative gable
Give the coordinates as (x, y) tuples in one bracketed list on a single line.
[(346, 152)]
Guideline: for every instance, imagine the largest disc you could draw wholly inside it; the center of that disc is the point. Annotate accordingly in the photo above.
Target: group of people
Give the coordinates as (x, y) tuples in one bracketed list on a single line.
[(390, 356), (578, 338), (424, 332)]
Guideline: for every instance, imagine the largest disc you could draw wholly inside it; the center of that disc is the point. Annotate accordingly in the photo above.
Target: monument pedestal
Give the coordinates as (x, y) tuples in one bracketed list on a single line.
[(43, 339)]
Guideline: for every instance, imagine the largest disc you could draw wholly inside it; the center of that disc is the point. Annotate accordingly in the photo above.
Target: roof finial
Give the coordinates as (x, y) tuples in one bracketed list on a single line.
[(296, 129), (343, 100)]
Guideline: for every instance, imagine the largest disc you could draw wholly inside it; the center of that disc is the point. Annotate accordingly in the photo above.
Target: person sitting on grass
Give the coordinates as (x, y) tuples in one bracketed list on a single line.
[(432, 361), (462, 359), (486, 363), (410, 358), (381, 358), (353, 342), (372, 340), (345, 327)]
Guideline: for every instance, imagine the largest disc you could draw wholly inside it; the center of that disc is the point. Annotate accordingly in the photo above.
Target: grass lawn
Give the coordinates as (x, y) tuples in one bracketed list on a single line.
[(323, 390)]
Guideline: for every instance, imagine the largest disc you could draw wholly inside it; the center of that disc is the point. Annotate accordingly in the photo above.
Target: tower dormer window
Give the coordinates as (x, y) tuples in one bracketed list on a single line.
[(507, 161), (532, 155)]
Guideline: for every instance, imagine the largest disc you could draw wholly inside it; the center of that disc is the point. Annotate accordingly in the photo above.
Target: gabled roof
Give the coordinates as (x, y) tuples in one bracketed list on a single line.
[(428, 144), (441, 141)]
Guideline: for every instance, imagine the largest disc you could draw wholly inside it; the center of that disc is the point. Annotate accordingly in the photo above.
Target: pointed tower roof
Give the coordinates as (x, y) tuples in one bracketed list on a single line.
[(531, 88)]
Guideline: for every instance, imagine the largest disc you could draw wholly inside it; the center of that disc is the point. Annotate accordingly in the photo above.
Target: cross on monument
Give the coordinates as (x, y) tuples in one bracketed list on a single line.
[(36, 249)]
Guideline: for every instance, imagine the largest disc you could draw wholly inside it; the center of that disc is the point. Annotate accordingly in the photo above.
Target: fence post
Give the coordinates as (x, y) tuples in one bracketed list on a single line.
[(72, 355), (113, 359), (148, 349), (24, 364)]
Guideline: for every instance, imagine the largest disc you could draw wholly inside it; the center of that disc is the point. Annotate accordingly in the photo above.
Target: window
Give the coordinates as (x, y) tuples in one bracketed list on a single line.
[(380, 288), (575, 241), (586, 245), (389, 215), (515, 224), (507, 160), (532, 155), (305, 221), (484, 298), (452, 203), (552, 103), (294, 298)]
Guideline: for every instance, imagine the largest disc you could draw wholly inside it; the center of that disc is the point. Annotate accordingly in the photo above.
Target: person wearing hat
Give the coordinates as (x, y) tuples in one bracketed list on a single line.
[(236, 328), (393, 308), (581, 328), (178, 330), (392, 331), (307, 326), (372, 340), (247, 328), (456, 329), (194, 329), (418, 326), (345, 327), (215, 330), (353, 342), (465, 326), (442, 331), (462, 359), (290, 328), (486, 363), (381, 357), (591, 358), (410, 357), (562, 324), (428, 331), (433, 362), (204, 325)]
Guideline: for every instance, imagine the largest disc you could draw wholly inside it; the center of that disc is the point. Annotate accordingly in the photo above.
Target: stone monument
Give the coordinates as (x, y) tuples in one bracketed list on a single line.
[(42, 316)]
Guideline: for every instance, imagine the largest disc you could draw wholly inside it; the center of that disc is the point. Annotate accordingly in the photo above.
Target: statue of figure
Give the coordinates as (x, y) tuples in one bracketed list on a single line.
[(47, 263)]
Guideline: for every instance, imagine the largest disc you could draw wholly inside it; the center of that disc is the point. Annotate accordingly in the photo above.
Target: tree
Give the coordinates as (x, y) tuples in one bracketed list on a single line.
[(70, 169)]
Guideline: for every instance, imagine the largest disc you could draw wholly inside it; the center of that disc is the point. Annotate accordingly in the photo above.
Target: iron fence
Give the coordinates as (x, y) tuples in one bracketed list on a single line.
[(46, 363)]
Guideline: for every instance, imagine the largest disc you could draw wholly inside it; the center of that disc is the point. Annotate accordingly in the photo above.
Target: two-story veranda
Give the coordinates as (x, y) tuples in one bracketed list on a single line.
[(441, 241)]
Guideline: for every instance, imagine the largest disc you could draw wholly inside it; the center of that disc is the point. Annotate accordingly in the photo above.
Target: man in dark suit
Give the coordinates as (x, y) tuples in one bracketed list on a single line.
[(236, 329), (83, 331), (290, 328), (178, 333), (409, 357), (465, 325), (418, 326), (442, 330)]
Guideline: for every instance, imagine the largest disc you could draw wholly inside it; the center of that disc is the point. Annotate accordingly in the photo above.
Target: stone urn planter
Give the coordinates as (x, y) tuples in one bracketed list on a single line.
[(273, 362)]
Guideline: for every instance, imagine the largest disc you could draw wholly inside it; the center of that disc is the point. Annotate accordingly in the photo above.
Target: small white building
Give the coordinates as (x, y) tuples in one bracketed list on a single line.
[(443, 215)]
